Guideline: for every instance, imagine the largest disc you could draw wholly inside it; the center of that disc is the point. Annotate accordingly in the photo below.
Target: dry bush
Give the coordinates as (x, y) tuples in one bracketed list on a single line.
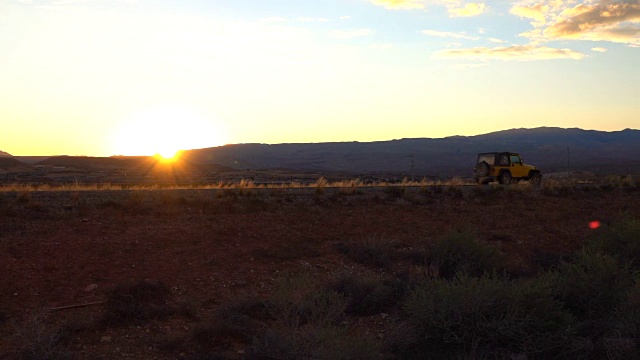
[(320, 185), (136, 303), (369, 295), (41, 337), (371, 250), (394, 192), (558, 187)]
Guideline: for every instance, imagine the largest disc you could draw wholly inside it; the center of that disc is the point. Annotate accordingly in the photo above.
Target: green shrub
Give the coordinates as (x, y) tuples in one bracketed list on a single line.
[(621, 239), (621, 342), (297, 299), (593, 284), (306, 322), (371, 250), (459, 251), (367, 296), (487, 316)]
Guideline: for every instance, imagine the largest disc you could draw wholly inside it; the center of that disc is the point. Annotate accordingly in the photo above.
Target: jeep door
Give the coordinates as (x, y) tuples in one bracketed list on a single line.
[(518, 170)]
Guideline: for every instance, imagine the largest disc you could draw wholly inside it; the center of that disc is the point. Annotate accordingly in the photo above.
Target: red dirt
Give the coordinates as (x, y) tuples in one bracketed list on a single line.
[(208, 248)]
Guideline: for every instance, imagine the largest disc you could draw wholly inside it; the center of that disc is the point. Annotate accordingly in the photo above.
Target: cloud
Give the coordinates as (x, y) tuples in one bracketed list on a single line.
[(594, 20), (382, 46), (470, 9), (350, 34), (537, 12), (515, 52), (446, 34), (599, 49), (274, 19), (616, 21), (312, 19), (469, 66), (400, 4)]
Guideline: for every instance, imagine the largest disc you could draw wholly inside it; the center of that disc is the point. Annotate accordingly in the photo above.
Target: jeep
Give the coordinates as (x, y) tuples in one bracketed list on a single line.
[(505, 167)]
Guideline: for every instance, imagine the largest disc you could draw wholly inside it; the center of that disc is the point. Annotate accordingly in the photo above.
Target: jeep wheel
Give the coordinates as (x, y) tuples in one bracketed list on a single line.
[(482, 169), (505, 178)]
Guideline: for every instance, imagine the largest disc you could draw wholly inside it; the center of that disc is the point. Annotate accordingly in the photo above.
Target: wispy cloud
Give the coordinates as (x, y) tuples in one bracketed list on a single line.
[(470, 9), (515, 52), (312, 19), (273, 19), (447, 34), (469, 66), (400, 4), (350, 34), (599, 49)]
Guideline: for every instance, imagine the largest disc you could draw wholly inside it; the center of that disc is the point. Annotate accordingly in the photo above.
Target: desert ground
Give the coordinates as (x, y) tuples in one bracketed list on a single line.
[(270, 273)]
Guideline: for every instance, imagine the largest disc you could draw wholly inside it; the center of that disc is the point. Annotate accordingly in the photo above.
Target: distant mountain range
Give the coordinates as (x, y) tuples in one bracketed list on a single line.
[(550, 149)]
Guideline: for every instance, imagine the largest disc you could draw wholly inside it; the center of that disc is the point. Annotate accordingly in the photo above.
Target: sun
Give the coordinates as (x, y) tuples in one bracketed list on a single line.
[(163, 131)]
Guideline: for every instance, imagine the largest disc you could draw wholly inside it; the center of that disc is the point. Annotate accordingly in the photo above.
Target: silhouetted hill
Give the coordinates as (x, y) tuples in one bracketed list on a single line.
[(5, 154), (551, 149), (9, 163)]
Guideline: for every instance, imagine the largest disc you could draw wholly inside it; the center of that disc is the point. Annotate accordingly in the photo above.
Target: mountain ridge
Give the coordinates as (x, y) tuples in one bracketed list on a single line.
[(550, 148)]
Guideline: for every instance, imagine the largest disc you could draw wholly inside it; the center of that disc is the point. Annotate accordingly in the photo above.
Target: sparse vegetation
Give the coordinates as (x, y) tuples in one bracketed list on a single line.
[(372, 250), (136, 303), (251, 274), (460, 252)]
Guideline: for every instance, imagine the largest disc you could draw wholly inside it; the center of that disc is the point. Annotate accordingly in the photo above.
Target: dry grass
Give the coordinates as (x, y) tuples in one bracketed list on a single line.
[(243, 184)]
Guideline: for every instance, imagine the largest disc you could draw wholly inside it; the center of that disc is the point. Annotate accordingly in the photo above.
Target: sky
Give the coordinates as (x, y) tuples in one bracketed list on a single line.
[(139, 77)]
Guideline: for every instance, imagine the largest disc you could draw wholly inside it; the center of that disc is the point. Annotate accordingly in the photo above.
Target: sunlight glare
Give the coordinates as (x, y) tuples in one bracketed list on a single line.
[(164, 131)]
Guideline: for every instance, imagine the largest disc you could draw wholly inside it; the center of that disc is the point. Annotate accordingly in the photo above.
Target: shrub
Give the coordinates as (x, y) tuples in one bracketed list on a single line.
[(367, 296), (36, 339), (487, 316), (320, 184), (371, 250), (306, 323), (557, 187), (459, 251), (232, 323), (394, 192), (136, 303), (593, 284), (621, 342), (312, 342), (297, 299), (621, 239)]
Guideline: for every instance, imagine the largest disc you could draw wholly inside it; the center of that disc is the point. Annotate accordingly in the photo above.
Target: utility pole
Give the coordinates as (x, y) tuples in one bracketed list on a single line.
[(568, 163), (412, 165)]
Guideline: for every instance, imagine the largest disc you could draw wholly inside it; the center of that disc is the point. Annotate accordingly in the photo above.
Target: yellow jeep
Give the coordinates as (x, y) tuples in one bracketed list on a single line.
[(505, 167)]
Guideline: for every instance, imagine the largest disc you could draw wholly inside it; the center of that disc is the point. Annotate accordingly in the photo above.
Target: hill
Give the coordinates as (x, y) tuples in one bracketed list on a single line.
[(11, 164), (551, 149)]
